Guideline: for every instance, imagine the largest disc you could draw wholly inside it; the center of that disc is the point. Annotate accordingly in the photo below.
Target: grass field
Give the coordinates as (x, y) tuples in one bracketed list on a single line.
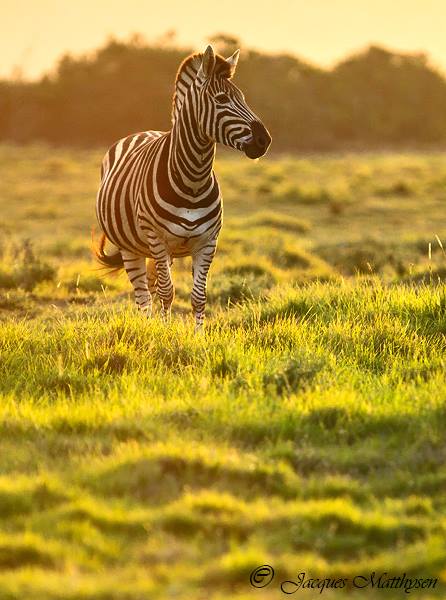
[(304, 429)]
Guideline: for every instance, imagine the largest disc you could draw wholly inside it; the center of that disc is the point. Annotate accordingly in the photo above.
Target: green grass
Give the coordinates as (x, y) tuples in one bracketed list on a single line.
[(304, 428)]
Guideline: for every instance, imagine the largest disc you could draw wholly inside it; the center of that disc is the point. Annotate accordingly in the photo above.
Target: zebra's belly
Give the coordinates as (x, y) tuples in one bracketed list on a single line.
[(179, 246), (188, 238)]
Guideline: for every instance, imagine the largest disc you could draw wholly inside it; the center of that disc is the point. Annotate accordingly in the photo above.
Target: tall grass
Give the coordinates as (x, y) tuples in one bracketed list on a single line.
[(304, 428)]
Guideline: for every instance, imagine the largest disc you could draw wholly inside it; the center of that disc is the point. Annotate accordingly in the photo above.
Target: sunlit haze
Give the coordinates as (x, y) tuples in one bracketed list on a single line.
[(35, 33)]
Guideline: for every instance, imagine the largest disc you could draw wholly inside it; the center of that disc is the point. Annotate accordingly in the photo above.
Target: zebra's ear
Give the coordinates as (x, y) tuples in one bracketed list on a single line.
[(207, 63), (232, 61)]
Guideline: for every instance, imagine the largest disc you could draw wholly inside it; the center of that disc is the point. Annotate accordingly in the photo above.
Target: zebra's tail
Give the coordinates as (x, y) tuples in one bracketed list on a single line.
[(113, 262)]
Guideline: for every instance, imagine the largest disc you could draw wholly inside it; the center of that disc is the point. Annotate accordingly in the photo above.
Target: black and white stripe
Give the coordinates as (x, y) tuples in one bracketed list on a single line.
[(159, 197)]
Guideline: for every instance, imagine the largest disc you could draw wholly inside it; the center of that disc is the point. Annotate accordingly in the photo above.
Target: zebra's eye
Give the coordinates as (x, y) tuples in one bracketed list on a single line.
[(222, 98)]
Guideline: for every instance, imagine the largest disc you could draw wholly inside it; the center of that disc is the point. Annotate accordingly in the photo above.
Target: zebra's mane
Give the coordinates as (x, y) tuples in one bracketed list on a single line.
[(188, 71)]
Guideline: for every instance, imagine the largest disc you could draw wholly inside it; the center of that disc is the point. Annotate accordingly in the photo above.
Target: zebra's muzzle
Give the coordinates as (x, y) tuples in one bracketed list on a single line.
[(259, 141)]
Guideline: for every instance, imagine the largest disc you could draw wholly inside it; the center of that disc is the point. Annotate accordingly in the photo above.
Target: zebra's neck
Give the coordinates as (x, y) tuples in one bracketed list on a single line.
[(191, 157)]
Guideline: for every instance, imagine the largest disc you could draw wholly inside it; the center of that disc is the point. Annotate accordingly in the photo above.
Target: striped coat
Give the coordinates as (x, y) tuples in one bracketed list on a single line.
[(159, 197)]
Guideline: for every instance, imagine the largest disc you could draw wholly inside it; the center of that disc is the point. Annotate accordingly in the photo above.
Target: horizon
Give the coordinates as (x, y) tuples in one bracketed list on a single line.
[(36, 36)]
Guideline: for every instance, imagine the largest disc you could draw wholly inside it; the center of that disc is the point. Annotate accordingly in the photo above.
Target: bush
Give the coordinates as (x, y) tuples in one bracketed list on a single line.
[(364, 257), (26, 270), (236, 288)]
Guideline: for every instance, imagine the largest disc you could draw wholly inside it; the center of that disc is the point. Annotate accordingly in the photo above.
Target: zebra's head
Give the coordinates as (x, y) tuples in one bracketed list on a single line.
[(221, 113)]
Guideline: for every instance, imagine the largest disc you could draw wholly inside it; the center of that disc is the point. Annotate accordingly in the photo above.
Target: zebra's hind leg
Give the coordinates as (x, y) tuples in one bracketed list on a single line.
[(200, 268), (151, 276), (164, 286), (135, 267)]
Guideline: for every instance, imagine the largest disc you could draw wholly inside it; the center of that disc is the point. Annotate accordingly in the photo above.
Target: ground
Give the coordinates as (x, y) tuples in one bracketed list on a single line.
[(303, 429)]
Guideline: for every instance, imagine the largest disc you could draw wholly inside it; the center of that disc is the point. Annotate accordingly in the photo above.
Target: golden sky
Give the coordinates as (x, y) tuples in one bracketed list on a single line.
[(34, 33)]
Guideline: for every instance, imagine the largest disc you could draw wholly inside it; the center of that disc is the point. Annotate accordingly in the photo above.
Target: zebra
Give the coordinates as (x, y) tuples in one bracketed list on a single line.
[(159, 198)]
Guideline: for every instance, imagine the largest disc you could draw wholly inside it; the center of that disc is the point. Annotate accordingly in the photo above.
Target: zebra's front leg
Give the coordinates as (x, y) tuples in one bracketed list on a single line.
[(164, 286), (135, 267), (200, 268)]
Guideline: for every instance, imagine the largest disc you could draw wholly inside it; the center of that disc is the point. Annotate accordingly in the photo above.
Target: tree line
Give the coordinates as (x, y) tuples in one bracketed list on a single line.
[(375, 98)]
